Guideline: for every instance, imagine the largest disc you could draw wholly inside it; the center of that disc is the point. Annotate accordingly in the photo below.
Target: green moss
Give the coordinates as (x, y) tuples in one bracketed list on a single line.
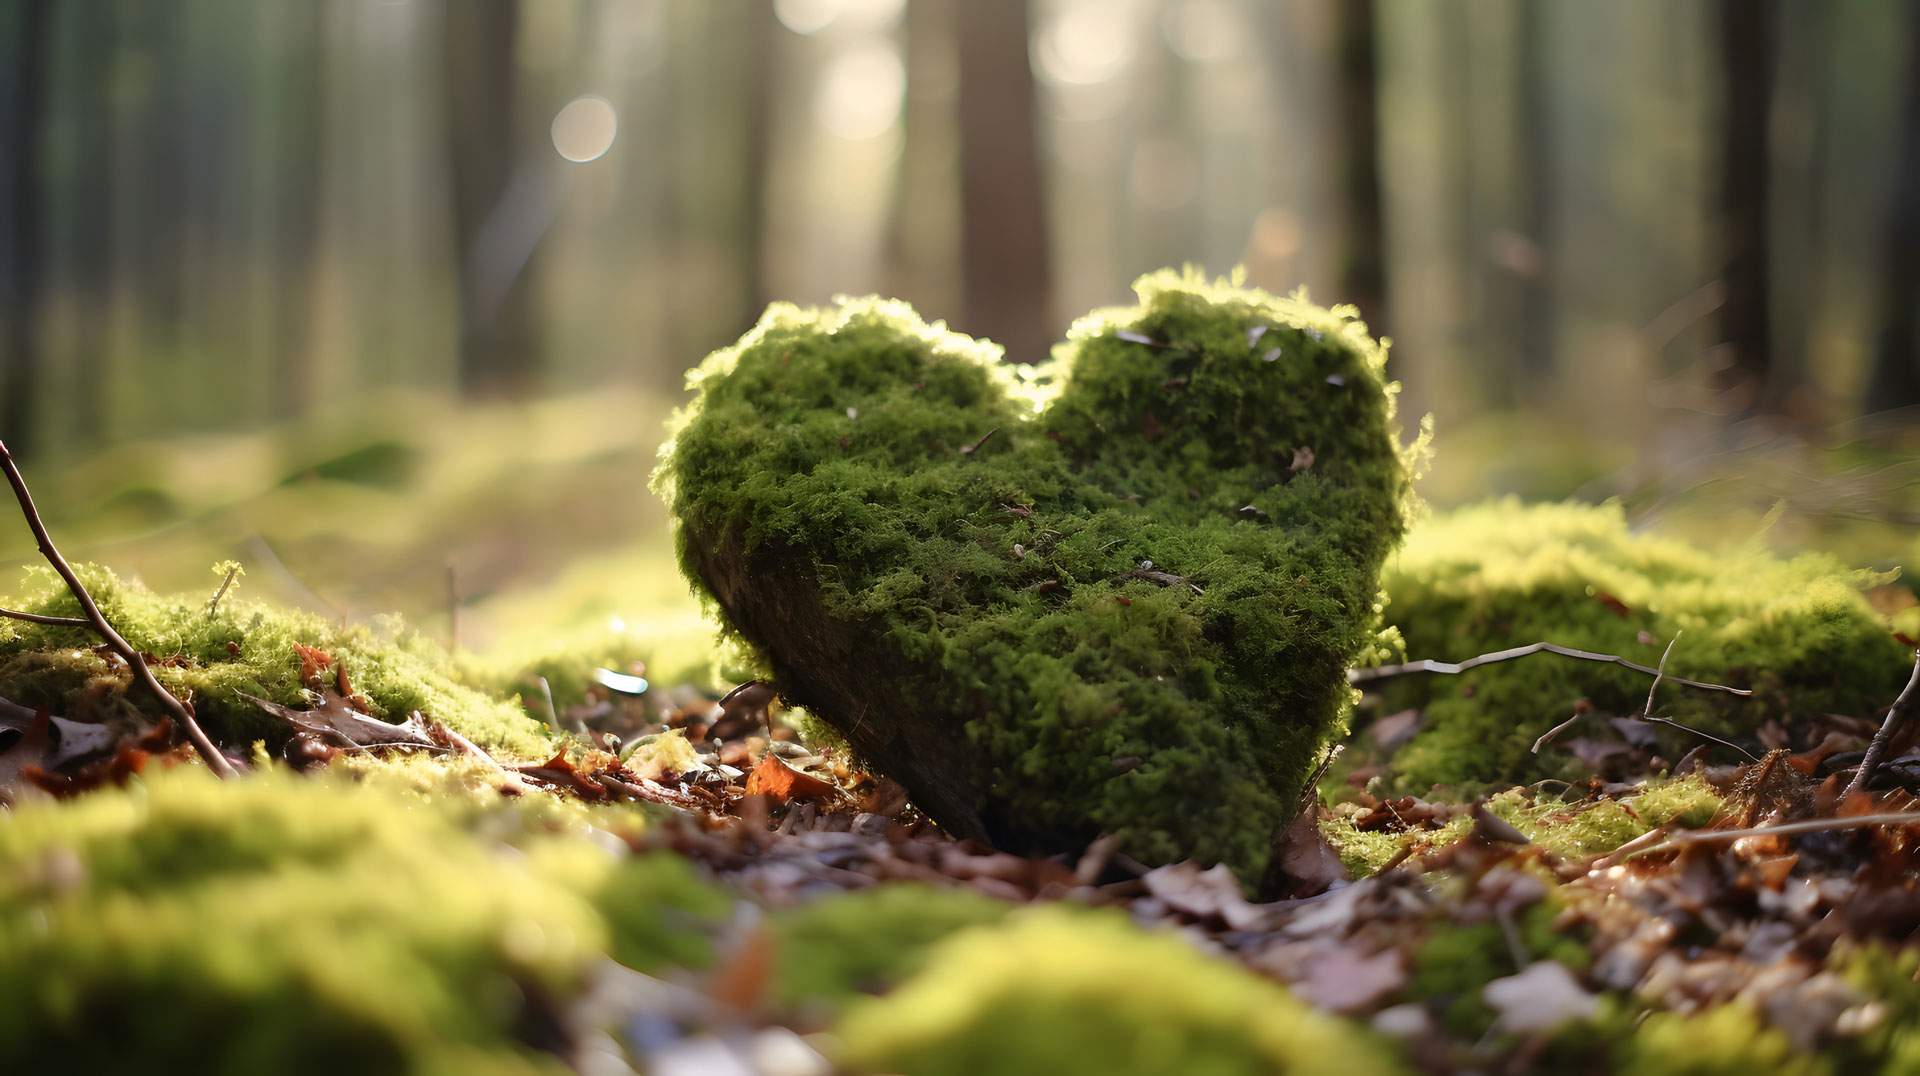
[(244, 648), (1575, 829), (1891, 977), (308, 925), (839, 948), (1061, 992), (1591, 828), (971, 611), (1726, 1041), (1796, 631), (1367, 851), (1453, 966)]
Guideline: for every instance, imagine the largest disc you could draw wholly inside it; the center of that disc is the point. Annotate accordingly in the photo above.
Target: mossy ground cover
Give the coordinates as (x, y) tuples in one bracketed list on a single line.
[(400, 913), (221, 659), (1797, 632), (1113, 594)]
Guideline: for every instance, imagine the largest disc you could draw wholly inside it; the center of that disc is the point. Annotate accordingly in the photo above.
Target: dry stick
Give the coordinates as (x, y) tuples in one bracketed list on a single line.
[(50, 621), (1811, 825), (1428, 665), (1896, 717), (216, 761), (1646, 713)]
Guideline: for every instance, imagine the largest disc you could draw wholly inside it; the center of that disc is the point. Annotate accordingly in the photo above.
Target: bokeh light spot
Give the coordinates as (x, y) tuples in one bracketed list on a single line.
[(584, 129), (859, 96)]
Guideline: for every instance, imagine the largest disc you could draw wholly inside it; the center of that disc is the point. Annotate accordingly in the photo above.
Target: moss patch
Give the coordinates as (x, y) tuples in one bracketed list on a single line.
[(310, 925), (217, 659), (1061, 992), (840, 948), (1725, 1041), (1796, 631), (1113, 594), (1575, 829)]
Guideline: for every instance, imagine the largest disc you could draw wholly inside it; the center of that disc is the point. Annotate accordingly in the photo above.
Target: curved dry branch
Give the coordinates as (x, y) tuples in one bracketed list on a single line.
[(216, 761), (1450, 668)]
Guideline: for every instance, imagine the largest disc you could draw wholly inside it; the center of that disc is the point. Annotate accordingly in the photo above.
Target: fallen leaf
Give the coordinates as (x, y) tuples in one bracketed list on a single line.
[(313, 662), (668, 753), (335, 719), (784, 784), (1309, 862), (1213, 893), (1345, 982), (29, 749), (1541, 998)]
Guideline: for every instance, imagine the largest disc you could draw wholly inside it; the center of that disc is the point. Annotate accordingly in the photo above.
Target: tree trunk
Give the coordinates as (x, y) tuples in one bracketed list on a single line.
[(23, 112), (762, 34), (1531, 260), (498, 345), (1896, 366), (1362, 276), (1749, 45), (1006, 270), (301, 165)]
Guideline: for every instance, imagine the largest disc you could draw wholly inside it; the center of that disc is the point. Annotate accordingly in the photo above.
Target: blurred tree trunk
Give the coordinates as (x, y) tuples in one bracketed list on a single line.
[(498, 346), (1356, 129), (23, 110), (1896, 366), (1749, 46), (1802, 150), (300, 162), (1530, 255), (1006, 269), (918, 246), (88, 56), (763, 29)]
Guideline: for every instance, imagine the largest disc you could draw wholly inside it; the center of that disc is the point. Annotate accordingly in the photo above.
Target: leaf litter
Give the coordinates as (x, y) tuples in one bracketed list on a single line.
[(1676, 920)]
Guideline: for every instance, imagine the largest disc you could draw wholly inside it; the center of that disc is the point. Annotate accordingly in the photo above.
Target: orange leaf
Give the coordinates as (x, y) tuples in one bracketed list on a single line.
[(774, 778), (313, 662)]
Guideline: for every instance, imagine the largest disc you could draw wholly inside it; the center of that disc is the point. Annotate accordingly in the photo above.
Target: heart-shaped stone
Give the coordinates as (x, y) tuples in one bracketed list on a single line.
[(1112, 594)]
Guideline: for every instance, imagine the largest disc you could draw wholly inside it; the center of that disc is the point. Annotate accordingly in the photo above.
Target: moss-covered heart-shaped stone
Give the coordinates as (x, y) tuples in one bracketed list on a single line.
[(1111, 594)]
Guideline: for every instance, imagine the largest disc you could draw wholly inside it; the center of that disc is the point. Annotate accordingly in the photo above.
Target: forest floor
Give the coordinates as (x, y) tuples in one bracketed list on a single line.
[(1713, 915)]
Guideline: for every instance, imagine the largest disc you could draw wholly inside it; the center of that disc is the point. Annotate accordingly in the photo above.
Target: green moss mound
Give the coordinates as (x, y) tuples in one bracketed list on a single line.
[(1063, 992), (837, 949), (216, 660), (289, 924), (1116, 593), (1504, 574), (1728, 1040)]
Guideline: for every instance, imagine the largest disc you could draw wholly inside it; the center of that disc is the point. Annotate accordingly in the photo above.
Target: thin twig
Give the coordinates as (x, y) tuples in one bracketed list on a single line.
[(1811, 825), (1646, 712), (1691, 731), (1896, 717), (1659, 674), (1553, 733), (49, 621), (216, 761), (553, 712), (1428, 665), (453, 607), (234, 571)]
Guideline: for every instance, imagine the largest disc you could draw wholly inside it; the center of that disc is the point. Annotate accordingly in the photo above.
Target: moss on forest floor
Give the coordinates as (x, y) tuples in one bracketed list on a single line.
[(1797, 632)]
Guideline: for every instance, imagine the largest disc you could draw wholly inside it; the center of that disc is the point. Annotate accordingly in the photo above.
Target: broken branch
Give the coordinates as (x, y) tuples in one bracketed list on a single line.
[(1428, 665), (1811, 825), (216, 761), (1896, 717), (49, 621)]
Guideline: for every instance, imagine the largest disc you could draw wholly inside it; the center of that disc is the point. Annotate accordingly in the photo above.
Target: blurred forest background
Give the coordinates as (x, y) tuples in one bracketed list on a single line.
[(366, 290)]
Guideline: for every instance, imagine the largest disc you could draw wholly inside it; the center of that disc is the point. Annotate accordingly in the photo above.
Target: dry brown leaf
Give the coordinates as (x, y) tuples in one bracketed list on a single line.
[(1540, 999), (784, 784)]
